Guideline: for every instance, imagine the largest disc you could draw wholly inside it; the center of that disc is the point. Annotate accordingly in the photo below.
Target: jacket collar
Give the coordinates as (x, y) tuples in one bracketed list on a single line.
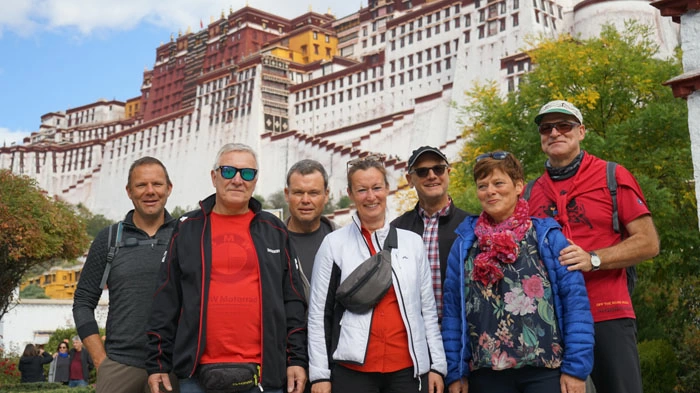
[(208, 204)]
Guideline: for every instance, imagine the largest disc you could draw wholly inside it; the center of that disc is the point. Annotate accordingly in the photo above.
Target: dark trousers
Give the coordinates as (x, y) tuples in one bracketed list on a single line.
[(520, 380), (616, 365), (402, 381)]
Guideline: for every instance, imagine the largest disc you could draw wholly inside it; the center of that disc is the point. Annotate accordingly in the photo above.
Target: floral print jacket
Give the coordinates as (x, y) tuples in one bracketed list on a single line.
[(571, 304)]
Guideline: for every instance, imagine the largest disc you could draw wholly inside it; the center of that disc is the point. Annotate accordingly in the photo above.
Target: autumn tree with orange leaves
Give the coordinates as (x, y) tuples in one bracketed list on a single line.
[(34, 229)]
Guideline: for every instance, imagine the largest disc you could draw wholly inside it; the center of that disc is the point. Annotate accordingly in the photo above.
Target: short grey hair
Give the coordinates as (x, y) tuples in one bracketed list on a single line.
[(307, 167), (229, 147), (76, 338)]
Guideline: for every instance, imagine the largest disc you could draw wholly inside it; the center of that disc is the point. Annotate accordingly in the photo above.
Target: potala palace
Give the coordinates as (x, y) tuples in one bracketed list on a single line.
[(386, 79)]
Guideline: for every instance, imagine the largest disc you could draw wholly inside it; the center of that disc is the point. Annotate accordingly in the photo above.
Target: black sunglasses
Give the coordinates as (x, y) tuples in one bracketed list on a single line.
[(498, 155), (562, 126), (229, 172), (438, 170)]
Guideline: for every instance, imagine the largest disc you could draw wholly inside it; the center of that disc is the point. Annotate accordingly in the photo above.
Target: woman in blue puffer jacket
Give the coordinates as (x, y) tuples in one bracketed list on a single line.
[(514, 319)]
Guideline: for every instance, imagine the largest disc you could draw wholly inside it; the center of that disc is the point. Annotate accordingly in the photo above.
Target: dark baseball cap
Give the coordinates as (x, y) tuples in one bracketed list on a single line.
[(424, 149)]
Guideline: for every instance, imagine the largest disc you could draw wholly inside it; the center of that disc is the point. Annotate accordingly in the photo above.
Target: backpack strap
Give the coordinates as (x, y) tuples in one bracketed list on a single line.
[(392, 239), (112, 252), (612, 186), (528, 189)]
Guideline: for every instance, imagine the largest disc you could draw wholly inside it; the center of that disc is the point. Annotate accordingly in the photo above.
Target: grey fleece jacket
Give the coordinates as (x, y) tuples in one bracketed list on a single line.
[(132, 282)]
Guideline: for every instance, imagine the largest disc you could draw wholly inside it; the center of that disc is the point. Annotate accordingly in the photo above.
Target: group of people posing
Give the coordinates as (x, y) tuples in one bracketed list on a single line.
[(69, 366), (531, 295)]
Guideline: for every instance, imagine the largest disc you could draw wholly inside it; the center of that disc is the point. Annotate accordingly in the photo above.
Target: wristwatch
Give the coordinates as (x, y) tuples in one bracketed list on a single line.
[(595, 261)]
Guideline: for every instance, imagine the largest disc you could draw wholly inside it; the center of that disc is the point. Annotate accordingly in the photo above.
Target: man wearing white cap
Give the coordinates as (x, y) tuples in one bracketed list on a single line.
[(575, 191)]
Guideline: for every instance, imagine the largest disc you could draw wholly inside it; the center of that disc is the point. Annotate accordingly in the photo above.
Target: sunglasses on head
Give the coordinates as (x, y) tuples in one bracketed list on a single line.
[(499, 155), (562, 126), (229, 172), (371, 158), (438, 170)]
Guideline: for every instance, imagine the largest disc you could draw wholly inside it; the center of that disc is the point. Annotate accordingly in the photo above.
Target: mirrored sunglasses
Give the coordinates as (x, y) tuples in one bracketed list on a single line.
[(229, 172), (498, 155), (438, 170), (562, 126)]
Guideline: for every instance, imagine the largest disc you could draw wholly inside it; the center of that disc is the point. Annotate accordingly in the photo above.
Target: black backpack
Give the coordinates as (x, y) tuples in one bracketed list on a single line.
[(612, 186)]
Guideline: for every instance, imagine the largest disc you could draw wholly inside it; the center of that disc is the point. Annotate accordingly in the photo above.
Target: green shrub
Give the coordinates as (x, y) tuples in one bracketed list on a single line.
[(660, 366), (53, 387), (9, 373)]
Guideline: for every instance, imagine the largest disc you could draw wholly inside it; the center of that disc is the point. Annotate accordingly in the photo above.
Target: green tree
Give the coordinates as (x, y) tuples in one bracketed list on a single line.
[(33, 291), (276, 201), (94, 223), (33, 229), (344, 202), (178, 211), (631, 118)]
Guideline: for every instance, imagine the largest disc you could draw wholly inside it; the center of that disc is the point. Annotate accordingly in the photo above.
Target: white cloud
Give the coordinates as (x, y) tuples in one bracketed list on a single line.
[(7, 136), (27, 17)]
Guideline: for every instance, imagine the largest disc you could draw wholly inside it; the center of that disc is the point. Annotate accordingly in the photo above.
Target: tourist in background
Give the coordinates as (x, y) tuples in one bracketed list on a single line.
[(515, 320), (59, 369), (80, 364), (31, 364)]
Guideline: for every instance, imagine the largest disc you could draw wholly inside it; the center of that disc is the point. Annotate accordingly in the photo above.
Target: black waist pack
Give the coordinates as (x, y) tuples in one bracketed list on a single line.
[(370, 281), (228, 377)]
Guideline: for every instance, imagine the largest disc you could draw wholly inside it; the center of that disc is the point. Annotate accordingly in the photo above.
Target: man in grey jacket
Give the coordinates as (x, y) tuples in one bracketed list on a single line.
[(136, 246)]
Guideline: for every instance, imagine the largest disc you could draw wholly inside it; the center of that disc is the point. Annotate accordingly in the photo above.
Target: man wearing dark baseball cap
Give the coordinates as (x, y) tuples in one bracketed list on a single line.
[(435, 217), (574, 190)]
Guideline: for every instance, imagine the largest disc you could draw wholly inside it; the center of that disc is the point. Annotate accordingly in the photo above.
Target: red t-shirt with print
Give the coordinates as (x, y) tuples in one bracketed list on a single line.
[(588, 223), (234, 321)]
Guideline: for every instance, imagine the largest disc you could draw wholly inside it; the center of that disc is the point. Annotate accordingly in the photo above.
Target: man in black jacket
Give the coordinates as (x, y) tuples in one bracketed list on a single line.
[(435, 217), (209, 311)]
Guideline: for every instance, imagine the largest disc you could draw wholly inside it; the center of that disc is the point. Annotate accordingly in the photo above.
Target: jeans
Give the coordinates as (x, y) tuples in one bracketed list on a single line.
[(191, 385), (77, 382)]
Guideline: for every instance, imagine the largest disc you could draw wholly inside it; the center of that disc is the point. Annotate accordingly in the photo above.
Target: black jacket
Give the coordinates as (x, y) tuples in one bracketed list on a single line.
[(176, 330), (412, 221), (32, 367)]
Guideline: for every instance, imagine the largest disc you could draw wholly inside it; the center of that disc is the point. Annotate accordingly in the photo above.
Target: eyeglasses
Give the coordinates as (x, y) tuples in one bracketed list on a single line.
[(498, 155), (438, 170), (563, 127), (368, 159), (229, 172)]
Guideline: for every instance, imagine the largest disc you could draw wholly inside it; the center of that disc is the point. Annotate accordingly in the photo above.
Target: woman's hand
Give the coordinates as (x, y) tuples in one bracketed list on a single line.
[(461, 386), (571, 384), (321, 387), (435, 383)]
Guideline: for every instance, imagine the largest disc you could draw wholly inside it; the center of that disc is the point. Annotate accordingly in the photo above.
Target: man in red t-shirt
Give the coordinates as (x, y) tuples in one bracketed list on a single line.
[(574, 191), (230, 291)]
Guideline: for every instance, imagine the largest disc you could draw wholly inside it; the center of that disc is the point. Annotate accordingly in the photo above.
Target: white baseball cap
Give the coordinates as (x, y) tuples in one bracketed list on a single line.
[(559, 106)]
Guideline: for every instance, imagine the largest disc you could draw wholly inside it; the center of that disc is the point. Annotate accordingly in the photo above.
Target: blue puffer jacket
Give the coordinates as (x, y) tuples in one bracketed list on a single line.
[(570, 303)]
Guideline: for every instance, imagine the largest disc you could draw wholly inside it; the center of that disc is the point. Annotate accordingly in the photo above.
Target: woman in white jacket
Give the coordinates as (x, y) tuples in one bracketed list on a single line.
[(394, 347)]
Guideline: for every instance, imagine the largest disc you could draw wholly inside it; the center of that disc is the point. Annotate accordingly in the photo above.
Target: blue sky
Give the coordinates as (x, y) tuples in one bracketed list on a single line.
[(60, 54)]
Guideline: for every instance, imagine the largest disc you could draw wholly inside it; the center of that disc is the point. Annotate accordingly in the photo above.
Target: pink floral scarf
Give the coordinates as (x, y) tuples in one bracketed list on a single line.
[(498, 242)]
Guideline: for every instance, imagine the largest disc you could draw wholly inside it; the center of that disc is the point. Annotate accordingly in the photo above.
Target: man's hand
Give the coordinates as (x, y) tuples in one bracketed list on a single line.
[(461, 386), (321, 387), (435, 383), (296, 379), (571, 384), (154, 381), (575, 258)]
